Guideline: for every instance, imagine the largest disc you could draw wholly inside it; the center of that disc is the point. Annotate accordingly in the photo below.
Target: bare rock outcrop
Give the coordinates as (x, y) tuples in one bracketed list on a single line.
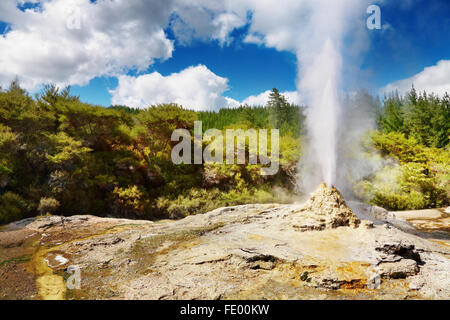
[(243, 252)]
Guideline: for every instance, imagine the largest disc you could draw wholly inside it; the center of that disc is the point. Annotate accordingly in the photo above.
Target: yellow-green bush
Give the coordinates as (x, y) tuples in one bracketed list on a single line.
[(129, 201), (420, 178), (48, 205)]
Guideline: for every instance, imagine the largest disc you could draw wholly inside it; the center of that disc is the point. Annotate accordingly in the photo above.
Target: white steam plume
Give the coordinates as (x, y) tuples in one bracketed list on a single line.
[(321, 59), (321, 83)]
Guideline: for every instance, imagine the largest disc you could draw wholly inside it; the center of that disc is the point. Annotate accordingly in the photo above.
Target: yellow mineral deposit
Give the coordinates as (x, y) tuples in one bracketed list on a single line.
[(51, 286)]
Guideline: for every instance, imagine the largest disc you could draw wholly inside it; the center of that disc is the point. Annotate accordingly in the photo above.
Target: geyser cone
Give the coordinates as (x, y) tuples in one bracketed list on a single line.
[(329, 204)]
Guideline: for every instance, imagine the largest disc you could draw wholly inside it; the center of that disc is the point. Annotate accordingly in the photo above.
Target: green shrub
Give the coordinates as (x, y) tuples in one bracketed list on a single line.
[(12, 207), (48, 206), (129, 202), (399, 201)]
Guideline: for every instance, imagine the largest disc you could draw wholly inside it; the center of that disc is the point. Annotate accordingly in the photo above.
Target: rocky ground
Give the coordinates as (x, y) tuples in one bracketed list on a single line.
[(316, 250)]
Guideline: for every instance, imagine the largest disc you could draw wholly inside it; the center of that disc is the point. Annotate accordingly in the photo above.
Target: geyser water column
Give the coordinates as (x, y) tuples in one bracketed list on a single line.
[(324, 111), (319, 54)]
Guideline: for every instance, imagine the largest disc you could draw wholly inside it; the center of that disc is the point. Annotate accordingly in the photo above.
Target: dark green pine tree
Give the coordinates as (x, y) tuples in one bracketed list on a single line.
[(419, 112), (248, 114), (442, 122), (392, 119), (279, 108)]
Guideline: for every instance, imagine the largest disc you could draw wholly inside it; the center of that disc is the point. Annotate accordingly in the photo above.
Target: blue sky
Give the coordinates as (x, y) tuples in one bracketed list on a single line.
[(417, 37), (414, 36), (251, 69)]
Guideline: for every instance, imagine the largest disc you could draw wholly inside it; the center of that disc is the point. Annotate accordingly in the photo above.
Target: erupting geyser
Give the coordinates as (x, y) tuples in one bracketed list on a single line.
[(320, 82), (320, 68), (322, 117)]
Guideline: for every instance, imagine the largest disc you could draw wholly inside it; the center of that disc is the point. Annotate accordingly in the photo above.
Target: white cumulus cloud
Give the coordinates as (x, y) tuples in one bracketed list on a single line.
[(434, 79), (195, 88), (44, 44)]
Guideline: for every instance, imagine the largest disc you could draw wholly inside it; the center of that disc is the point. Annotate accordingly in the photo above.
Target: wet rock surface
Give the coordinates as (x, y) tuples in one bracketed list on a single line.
[(316, 250), (429, 220)]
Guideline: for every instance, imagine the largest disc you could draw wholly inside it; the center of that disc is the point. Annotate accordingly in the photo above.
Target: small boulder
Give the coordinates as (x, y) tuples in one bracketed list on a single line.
[(398, 270)]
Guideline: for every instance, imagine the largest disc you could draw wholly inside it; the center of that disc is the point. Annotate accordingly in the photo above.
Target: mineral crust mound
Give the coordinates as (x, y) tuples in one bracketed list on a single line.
[(327, 209)]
